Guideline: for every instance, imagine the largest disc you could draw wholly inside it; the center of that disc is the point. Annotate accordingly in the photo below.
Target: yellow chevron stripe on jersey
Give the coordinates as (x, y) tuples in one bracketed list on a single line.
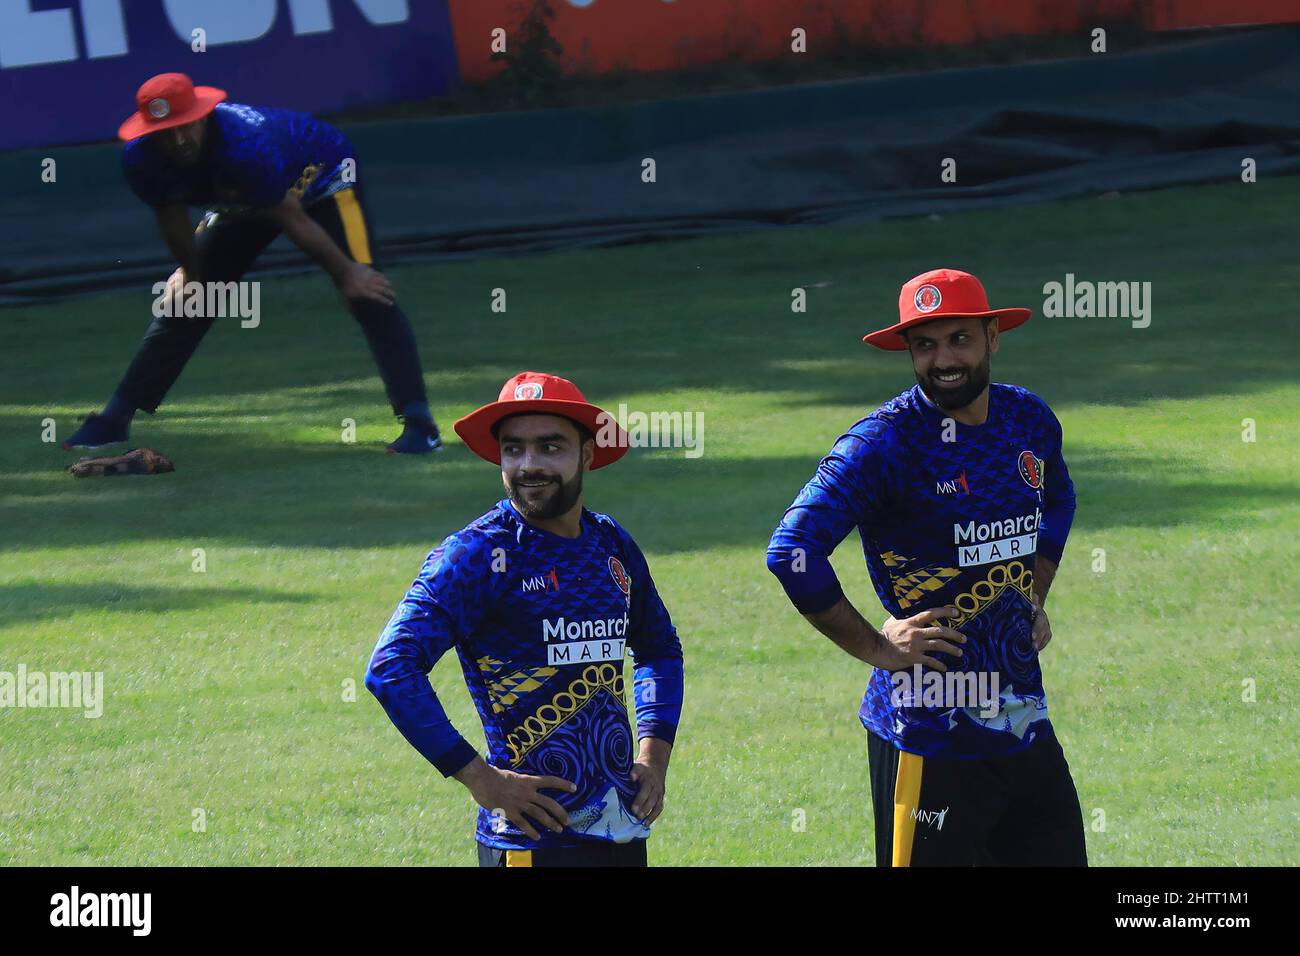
[(912, 587), (506, 691)]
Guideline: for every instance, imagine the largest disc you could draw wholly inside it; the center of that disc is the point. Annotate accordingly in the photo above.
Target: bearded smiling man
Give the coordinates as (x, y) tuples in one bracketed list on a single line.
[(961, 496), (540, 597)]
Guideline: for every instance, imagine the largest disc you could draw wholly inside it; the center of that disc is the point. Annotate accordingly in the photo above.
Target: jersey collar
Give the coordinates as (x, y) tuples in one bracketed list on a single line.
[(541, 534)]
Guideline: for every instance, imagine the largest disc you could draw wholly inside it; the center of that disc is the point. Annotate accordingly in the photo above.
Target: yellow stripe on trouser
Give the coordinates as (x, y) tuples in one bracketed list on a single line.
[(907, 796), (519, 857), (354, 225)]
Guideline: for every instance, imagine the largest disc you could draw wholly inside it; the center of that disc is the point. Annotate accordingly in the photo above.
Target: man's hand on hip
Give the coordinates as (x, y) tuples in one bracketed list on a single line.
[(911, 640), (1042, 627), (516, 796), (650, 772)]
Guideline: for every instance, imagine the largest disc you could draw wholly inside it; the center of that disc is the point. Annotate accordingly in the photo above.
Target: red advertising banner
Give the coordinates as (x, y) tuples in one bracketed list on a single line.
[(1185, 14), (600, 36)]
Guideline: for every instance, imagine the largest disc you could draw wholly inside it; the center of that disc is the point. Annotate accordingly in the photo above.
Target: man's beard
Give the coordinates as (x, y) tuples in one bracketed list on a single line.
[(562, 496), (952, 397)]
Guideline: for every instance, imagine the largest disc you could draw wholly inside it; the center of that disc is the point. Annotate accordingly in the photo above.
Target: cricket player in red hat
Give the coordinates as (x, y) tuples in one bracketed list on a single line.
[(959, 490), (541, 599), (259, 172)]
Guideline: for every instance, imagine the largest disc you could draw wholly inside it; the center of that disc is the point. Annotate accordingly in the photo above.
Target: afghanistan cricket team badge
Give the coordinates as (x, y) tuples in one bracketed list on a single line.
[(1031, 469), (620, 576), (927, 298)]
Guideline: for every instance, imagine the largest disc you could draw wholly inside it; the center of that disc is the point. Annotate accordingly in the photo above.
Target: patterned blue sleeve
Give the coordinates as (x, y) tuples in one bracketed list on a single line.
[(847, 490), (1058, 496), (658, 679), (440, 608)]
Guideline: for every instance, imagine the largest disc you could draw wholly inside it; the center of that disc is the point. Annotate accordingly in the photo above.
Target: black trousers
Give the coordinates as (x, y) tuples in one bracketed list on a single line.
[(227, 247), (1017, 810), (596, 853)]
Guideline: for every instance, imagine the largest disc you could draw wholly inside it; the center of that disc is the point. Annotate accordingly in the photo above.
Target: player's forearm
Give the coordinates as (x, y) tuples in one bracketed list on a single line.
[(1044, 574), (307, 234), (177, 231), (473, 774), (842, 623), (653, 751)]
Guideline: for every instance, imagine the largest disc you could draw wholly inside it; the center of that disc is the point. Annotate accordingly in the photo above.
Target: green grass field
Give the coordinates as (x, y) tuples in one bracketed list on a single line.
[(225, 689)]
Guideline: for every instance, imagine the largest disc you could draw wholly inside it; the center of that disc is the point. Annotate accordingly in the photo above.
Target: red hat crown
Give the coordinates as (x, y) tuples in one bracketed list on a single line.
[(165, 94), (528, 386), (536, 393), (941, 292), (167, 100)]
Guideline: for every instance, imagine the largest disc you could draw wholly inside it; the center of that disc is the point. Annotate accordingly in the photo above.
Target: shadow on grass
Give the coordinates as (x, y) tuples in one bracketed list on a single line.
[(822, 362), (240, 488), (22, 601), (710, 315)]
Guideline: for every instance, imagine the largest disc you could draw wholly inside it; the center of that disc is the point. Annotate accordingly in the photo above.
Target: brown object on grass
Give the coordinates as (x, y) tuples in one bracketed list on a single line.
[(139, 461)]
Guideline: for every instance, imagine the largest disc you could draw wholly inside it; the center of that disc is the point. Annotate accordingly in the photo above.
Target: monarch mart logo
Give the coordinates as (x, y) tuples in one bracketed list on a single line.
[(30, 37), (584, 642), (998, 540), (72, 690)]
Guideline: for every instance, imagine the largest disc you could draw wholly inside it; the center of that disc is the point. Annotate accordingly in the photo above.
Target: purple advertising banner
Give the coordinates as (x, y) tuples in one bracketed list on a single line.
[(69, 69)]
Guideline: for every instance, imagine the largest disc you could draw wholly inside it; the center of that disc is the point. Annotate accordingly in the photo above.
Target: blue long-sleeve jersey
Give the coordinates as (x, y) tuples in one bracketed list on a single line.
[(540, 624), (948, 514), (252, 157)]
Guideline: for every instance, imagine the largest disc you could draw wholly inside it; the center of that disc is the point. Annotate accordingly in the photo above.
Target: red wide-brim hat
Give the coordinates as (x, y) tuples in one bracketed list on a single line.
[(942, 294), (535, 393), (167, 100)]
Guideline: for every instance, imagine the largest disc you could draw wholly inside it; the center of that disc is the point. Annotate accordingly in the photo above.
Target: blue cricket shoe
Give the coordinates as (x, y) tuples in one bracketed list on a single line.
[(419, 437), (96, 431)]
